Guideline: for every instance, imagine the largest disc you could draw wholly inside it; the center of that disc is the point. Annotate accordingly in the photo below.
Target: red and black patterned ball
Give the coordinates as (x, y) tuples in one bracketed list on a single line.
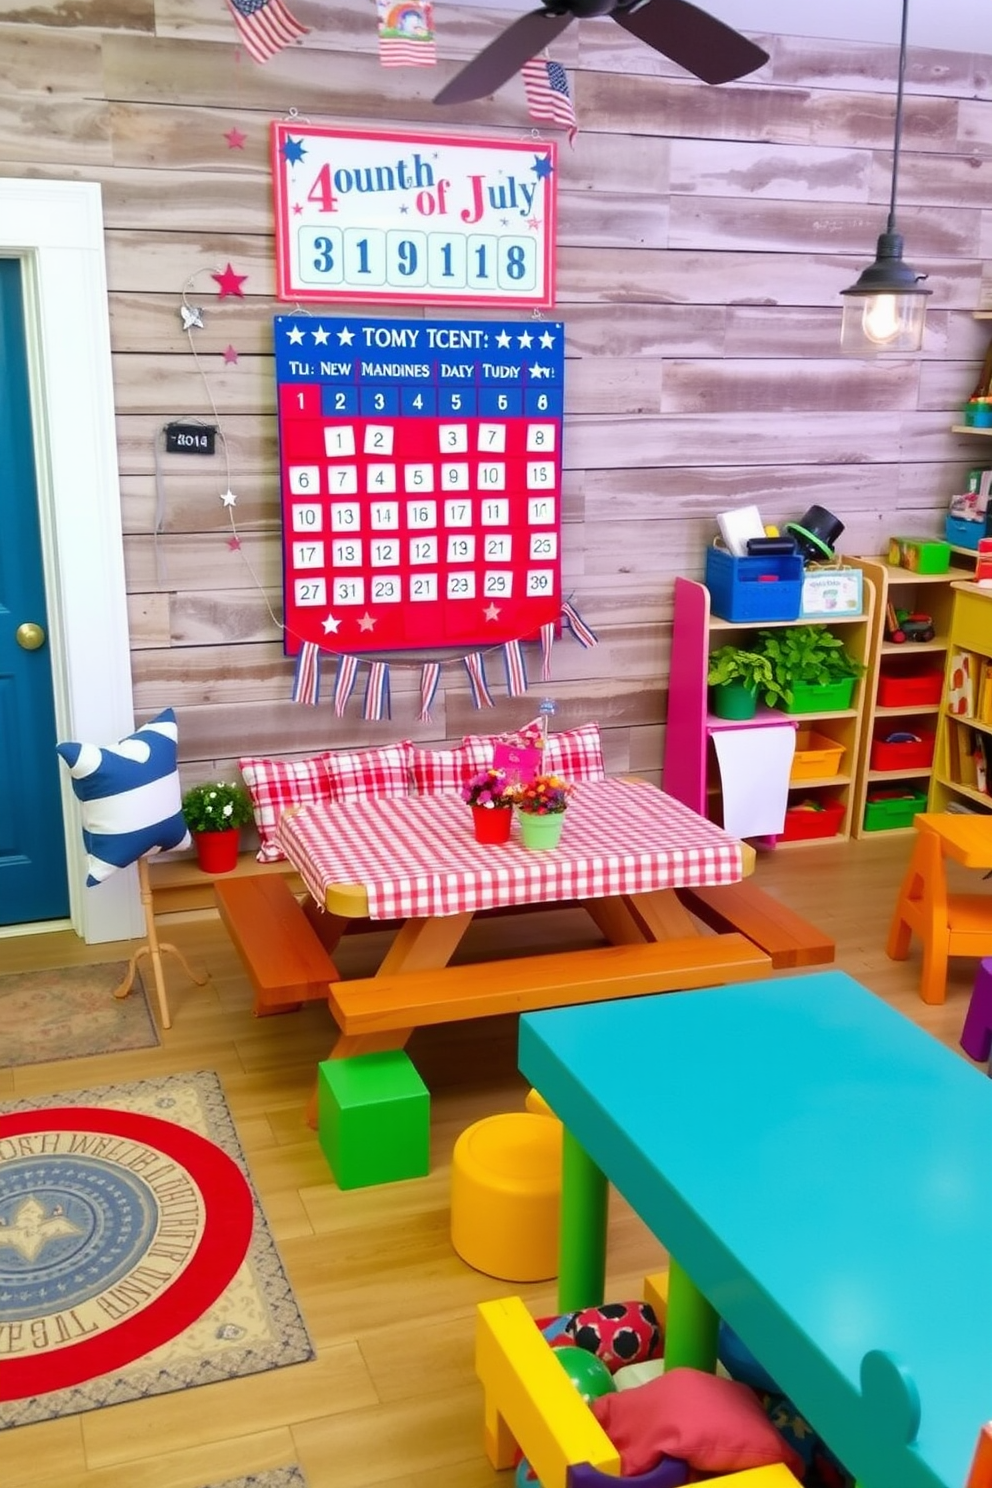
[(619, 1333)]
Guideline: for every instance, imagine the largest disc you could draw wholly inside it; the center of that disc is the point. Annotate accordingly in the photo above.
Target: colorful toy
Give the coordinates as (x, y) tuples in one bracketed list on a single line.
[(618, 1333), (588, 1374)]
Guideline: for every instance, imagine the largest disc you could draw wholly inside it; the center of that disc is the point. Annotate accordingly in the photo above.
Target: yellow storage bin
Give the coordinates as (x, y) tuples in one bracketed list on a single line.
[(816, 756)]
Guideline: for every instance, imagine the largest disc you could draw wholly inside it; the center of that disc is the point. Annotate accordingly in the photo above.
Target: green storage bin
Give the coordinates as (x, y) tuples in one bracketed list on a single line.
[(891, 809), (829, 698)]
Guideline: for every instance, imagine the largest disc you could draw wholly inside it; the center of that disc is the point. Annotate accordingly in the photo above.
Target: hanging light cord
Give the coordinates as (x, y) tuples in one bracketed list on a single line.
[(898, 132)]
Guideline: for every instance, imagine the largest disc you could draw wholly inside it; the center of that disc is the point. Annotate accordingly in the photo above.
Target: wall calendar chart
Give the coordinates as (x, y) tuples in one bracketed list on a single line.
[(416, 218), (420, 470)]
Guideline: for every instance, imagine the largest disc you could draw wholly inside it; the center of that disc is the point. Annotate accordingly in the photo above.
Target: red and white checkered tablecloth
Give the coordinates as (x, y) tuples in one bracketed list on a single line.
[(416, 856)]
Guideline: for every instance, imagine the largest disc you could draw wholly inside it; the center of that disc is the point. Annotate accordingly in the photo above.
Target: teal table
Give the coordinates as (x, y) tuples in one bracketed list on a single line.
[(820, 1171)]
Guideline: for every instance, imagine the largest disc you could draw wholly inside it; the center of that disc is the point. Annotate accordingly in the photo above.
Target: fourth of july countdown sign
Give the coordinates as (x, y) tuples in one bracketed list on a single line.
[(420, 466), (421, 218)]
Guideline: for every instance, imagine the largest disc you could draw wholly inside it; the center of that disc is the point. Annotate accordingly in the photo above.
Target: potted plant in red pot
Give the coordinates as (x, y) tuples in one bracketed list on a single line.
[(491, 798), (215, 814)]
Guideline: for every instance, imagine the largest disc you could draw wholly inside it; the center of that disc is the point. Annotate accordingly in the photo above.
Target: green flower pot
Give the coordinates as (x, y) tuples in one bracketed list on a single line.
[(541, 832)]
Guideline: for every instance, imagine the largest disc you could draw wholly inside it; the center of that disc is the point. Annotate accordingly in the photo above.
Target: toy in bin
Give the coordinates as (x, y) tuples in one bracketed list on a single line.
[(908, 625)]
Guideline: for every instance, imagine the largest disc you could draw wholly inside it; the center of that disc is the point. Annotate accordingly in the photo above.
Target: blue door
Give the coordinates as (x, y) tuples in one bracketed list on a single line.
[(33, 882)]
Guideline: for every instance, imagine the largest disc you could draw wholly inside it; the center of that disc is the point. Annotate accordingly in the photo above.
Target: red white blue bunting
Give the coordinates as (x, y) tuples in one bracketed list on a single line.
[(306, 682), (376, 705)]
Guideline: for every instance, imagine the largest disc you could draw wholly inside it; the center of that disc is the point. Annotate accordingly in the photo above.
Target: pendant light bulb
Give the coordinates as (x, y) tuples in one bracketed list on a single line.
[(880, 319), (885, 309)]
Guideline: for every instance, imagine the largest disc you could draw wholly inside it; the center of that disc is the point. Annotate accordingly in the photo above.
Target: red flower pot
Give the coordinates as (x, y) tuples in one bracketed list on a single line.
[(217, 852), (492, 823)]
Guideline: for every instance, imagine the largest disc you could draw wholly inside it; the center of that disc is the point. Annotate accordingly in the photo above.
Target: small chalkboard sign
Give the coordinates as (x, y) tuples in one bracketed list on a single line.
[(190, 439)]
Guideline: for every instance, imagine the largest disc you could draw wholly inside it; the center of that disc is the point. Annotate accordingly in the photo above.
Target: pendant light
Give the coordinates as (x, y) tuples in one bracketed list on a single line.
[(886, 308)]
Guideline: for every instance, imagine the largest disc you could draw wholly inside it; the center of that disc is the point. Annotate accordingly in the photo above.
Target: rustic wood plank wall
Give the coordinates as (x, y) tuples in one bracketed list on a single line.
[(704, 236)]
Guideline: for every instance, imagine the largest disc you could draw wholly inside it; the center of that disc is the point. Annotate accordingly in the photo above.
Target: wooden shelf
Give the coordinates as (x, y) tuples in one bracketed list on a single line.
[(689, 771), (971, 429), (971, 631)]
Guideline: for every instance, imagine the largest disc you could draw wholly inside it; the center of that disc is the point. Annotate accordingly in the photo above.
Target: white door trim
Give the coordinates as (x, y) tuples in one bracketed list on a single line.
[(56, 229)]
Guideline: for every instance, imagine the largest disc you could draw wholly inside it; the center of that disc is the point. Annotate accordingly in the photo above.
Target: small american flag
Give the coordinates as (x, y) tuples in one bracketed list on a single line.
[(265, 26), (406, 33), (548, 98)]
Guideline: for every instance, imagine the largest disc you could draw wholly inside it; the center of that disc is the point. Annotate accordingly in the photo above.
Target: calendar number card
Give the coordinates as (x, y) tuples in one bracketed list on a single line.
[(421, 218), (420, 466)]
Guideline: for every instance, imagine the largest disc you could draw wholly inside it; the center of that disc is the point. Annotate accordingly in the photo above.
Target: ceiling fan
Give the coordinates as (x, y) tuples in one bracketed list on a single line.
[(697, 41)]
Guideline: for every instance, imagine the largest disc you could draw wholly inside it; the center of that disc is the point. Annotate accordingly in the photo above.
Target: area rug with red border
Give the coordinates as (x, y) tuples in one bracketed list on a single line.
[(134, 1255)]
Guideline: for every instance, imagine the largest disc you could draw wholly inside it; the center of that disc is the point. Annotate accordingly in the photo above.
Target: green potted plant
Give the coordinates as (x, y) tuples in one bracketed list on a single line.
[(215, 813), (541, 805), (812, 667), (736, 677)]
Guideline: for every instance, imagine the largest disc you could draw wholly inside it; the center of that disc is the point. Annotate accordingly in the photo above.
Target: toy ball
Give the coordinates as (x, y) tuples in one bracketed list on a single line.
[(588, 1374), (618, 1333), (524, 1476)]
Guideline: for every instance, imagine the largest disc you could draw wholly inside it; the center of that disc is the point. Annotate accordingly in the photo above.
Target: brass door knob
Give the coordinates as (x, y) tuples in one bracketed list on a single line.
[(30, 636)]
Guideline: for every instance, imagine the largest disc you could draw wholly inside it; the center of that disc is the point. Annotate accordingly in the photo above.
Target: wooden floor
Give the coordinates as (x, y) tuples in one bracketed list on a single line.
[(391, 1398)]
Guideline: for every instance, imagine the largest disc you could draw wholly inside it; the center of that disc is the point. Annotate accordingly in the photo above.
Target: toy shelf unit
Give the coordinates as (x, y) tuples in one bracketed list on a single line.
[(820, 797), (962, 773), (903, 690)]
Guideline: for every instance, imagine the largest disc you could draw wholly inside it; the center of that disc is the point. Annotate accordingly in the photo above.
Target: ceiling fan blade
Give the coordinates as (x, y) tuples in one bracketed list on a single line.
[(697, 41), (503, 58)]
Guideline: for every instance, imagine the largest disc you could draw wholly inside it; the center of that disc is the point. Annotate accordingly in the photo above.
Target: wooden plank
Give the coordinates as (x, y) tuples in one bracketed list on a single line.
[(485, 989), (790, 940), (284, 959)]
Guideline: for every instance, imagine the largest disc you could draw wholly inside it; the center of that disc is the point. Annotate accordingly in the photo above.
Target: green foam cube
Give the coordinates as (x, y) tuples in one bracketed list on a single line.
[(373, 1119)]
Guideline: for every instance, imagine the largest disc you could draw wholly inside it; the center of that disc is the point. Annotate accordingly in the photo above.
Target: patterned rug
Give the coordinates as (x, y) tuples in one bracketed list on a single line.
[(134, 1256), (276, 1477), (71, 1012)]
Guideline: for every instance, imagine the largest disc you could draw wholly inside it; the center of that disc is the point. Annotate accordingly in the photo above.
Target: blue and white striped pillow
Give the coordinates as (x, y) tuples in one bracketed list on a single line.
[(130, 797)]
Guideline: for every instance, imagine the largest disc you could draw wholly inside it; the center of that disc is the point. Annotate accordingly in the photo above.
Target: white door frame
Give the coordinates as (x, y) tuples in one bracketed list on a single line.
[(56, 229)]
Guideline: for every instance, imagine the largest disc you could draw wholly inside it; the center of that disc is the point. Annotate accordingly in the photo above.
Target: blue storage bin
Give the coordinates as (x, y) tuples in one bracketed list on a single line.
[(962, 534), (754, 589)]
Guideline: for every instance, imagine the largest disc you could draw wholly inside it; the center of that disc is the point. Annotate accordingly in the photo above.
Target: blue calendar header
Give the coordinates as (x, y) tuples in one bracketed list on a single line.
[(424, 367)]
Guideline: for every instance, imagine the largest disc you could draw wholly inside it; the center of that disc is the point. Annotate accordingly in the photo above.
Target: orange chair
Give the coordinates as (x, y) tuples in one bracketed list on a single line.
[(981, 1467), (946, 924)]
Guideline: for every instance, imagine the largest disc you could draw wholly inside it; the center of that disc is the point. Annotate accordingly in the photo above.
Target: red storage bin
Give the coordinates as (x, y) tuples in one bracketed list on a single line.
[(909, 686), (803, 825), (906, 754)]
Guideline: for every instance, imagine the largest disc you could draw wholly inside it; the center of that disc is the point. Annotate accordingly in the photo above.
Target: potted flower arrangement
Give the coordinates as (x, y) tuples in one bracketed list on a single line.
[(215, 814), (736, 678), (491, 798), (541, 804)]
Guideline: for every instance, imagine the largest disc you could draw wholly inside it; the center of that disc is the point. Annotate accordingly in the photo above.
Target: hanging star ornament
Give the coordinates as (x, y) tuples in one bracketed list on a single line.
[(230, 355), (228, 498), (230, 283), (192, 316), (234, 543), (235, 139)]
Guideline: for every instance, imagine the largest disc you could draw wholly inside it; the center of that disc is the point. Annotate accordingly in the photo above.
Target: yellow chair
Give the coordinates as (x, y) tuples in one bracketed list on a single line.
[(506, 1196), (946, 924)]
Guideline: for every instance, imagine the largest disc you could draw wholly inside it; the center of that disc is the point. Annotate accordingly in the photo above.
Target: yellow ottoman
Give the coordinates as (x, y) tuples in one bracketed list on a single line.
[(506, 1196)]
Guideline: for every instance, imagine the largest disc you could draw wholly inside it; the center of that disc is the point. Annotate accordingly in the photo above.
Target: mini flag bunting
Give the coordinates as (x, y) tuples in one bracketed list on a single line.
[(516, 669), (377, 693), (344, 682), (578, 626), (547, 641), (406, 33), (476, 668), (548, 97), (306, 682), (429, 679), (265, 26)]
